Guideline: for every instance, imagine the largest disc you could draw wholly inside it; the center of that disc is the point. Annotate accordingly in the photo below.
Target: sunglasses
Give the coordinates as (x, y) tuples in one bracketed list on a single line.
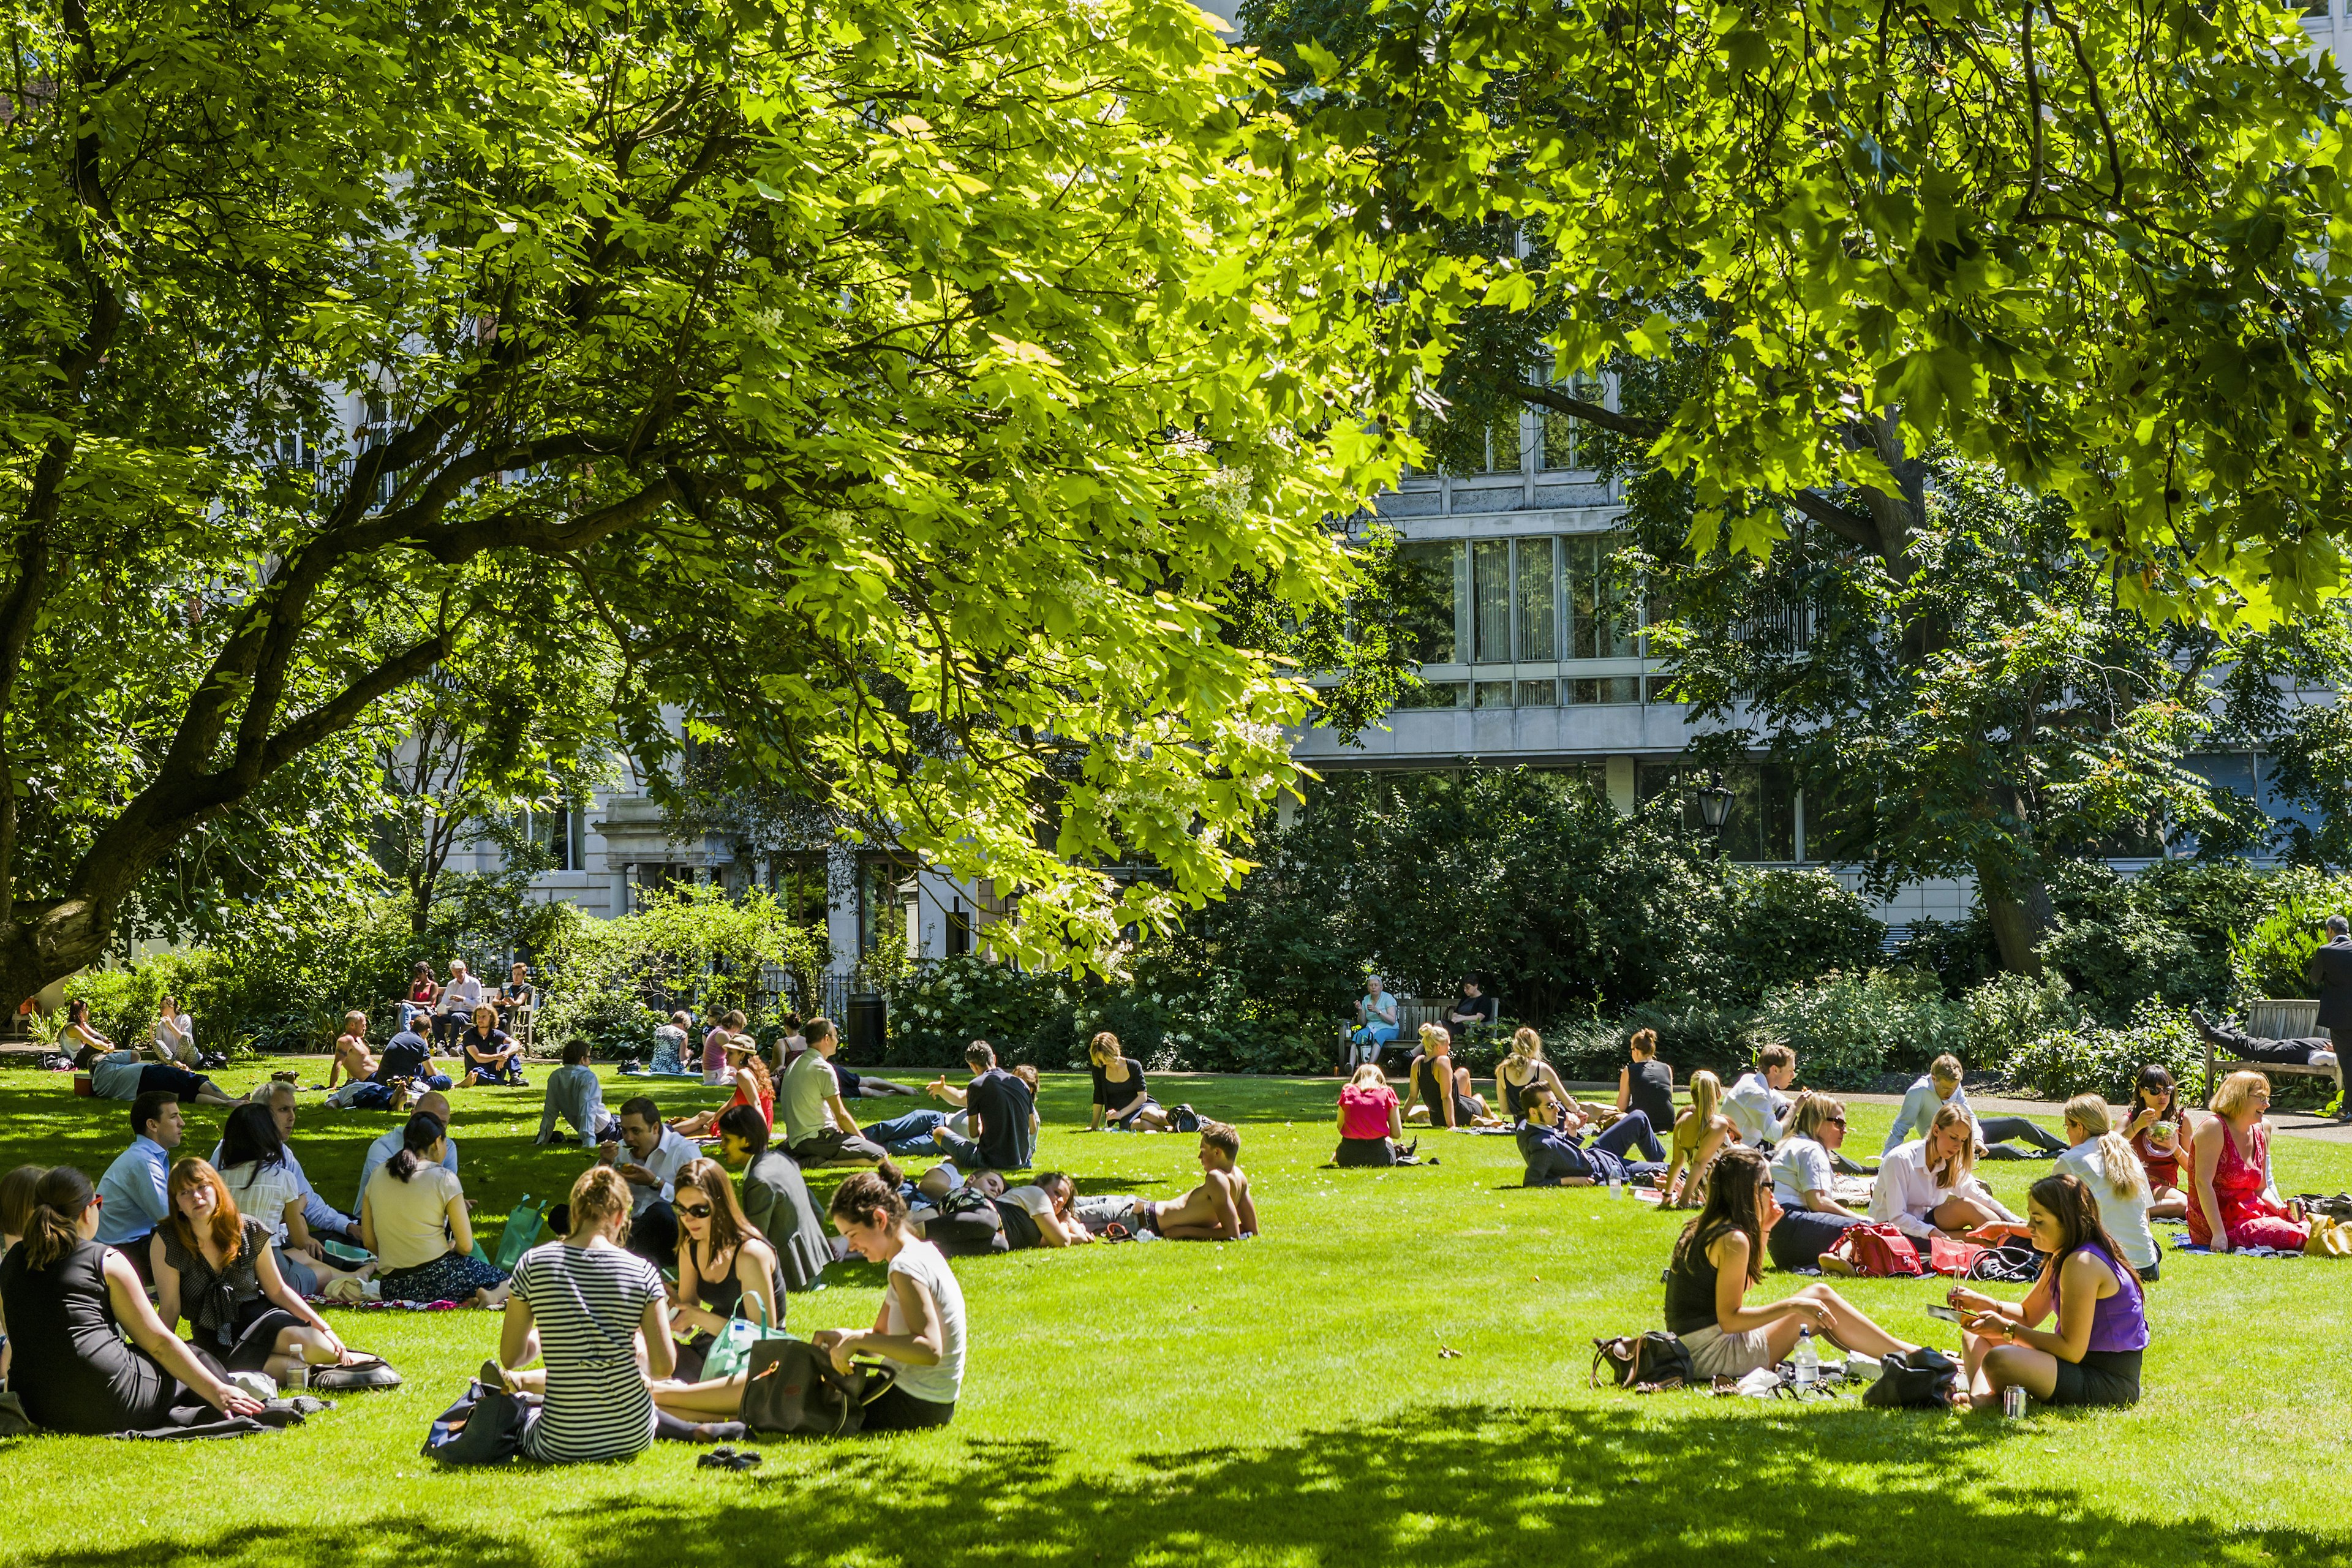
[(1836, 1120), (695, 1211)]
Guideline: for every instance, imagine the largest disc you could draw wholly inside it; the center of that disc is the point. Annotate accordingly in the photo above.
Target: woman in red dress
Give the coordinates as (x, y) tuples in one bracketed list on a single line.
[(2159, 1128), (2232, 1150)]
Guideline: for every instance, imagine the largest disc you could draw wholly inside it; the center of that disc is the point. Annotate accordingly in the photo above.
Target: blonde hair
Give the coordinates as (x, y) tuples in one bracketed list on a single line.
[(1944, 1069), (1526, 1046), (2235, 1090), (597, 1196), (1443, 1036), (2118, 1163), (1103, 1050), (1706, 1097), (1368, 1073), (1805, 1121), (1961, 1166)]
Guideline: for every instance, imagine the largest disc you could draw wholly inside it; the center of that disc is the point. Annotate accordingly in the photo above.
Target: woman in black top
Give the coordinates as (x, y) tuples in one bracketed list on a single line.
[(725, 1267), (1646, 1084), (67, 1300), (1523, 1070), (1123, 1098), (216, 1268), (1719, 1257), (1436, 1083)]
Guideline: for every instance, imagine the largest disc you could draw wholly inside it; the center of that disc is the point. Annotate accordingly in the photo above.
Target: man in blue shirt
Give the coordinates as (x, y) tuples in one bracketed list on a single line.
[(434, 1104), (134, 1194)]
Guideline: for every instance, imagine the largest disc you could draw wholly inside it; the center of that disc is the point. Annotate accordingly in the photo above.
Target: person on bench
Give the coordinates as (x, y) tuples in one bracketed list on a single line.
[(1376, 1017), (1556, 1159), (2236, 1045)]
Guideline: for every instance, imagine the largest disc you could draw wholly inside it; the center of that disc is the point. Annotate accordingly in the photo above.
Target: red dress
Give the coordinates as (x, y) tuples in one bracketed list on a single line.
[(2251, 1219), (766, 1102), (2163, 1168)]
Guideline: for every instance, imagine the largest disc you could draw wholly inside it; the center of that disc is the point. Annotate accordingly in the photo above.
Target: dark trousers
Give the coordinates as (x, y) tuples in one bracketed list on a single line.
[(2255, 1048), (1632, 1130), (1365, 1151), (1999, 1130), (179, 1082), (1800, 1236), (653, 1235), (832, 1145)]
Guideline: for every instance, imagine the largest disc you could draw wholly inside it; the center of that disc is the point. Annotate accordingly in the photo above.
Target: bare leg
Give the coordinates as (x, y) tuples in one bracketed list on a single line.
[(690, 1401), (2170, 1202), (1850, 1329), (2014, 1366), (492, 1295), (1962, 1213)]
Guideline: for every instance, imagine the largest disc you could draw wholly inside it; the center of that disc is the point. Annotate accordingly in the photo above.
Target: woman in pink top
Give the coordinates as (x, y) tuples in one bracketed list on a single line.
[(2231, 1152), (1371, 1125)]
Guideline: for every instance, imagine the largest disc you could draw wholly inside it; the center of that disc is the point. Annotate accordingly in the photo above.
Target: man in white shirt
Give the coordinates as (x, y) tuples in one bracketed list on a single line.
[(1754, 1104), (654, 1155), (433, 1104), (458, 1000)]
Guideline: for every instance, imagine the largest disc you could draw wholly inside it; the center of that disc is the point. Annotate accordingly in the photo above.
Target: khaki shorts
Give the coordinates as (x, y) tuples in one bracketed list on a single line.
[(1715, 1353)]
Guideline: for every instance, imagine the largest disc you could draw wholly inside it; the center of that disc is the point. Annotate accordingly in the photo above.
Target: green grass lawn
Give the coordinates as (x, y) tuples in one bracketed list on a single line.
[(1281, 1401)]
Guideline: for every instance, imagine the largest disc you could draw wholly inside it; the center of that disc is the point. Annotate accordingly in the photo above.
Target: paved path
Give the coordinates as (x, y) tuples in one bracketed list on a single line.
[(2286, 1123)]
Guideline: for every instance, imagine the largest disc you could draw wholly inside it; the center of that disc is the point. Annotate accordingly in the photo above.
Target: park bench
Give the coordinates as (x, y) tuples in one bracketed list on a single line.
[(2272, 1020), (1411, 1014)]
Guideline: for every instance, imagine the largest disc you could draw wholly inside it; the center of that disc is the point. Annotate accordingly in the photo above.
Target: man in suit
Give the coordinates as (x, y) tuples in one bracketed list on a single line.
[(2331, 976)]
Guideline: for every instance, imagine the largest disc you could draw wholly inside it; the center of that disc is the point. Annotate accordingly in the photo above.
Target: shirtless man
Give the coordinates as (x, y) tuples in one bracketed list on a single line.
[(353, 1061), (1219, 1209)]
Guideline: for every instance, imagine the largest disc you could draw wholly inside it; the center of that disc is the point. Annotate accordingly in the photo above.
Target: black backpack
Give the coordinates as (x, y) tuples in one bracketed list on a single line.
[(1924, 1379), (792, 1389), (485, 1426), (1655, 1360)]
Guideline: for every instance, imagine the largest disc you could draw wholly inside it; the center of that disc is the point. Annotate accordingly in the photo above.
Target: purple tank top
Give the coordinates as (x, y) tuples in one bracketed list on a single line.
[(2118, 1322)]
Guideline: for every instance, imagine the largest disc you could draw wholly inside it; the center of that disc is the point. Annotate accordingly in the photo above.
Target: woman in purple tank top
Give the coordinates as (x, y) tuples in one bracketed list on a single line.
[(2093, 1356)]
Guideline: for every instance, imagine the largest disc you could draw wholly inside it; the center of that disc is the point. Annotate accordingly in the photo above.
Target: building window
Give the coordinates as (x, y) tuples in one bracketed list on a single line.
[(1539, 693), (1490, 581), (1763, 821), (563, 833), (1503, 444), (1601, 621), (877, 898), (1425, 614), (1436, 694), (1567, 440), (799, 884), (1539, 600), (958, 930), (1494, 693), (649, 876), (1605, 688)]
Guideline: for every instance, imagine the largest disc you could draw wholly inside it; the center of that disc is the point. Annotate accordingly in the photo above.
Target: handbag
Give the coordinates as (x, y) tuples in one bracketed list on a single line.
[(1946, 1255), (730, 1348), (1878, 1252), (525, 1222), (2329, 1238), (1922, 1380), (1654, 1360), (792, 1388), (483, 1427), (2007, 1265)]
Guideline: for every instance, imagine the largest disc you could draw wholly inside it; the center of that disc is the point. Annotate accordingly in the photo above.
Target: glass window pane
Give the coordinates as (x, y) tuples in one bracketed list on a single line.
[(1436, 694), (1425, 611), (1539, 694), (1538, 601), (1494, 694), (1490, 575), (1588, 635), (1567, 440), (1503, 445)]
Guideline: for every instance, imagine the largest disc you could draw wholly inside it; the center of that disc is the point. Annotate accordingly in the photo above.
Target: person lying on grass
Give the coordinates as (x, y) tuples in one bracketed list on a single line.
[(2093, 1356), (1701, 1133), (1928, 1186), (1556, 1159), (920, 1326), (1219, 1209), (1718, 1259)]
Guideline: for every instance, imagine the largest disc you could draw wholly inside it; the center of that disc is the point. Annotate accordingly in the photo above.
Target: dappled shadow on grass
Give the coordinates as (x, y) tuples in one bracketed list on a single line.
[(1670, 1479)]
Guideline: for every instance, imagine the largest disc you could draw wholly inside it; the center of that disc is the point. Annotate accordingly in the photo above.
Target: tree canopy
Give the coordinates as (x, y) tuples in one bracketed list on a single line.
[(915, 396)]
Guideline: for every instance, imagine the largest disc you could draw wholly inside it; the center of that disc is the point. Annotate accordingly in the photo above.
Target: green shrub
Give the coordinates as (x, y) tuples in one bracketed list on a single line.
[(2271, 958), (2094, 1059), (1784, 926), (1691, 1036), (2165, 933), (1847, 1029), (2008, 1010)]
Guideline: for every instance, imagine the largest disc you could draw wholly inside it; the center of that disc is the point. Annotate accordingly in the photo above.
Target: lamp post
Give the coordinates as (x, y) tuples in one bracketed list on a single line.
[(1713, 805)]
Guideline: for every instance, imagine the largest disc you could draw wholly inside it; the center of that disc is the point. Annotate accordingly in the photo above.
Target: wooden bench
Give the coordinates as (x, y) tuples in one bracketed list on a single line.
[(2216, 1070), (1412, 1015), (2288, 1018)]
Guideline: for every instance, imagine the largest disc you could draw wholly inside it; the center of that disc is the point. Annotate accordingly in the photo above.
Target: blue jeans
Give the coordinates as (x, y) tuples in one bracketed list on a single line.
[(1369, 1039), (909, 1134)]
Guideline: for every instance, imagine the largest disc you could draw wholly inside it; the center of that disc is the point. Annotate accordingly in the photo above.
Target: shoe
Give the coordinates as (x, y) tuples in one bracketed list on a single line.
[(2207, 1032), (1412, 1148), (1830, 1262), (494, 1377)]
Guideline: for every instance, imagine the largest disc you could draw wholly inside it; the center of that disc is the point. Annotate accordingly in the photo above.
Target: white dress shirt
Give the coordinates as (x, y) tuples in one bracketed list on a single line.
[(462, 996), (1758, 1113), (1906, 1194), (670, 1157)]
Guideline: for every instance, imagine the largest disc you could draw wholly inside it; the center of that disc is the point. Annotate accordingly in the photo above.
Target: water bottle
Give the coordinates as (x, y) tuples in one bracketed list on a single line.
[(1616, 1183), (1808, 1360)]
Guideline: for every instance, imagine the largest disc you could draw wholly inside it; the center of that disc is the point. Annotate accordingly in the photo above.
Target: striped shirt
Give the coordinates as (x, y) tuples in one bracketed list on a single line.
[(588, 1303)]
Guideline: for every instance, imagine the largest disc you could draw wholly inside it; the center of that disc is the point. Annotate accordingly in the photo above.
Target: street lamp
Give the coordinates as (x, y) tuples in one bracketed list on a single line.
[(1713, 804)]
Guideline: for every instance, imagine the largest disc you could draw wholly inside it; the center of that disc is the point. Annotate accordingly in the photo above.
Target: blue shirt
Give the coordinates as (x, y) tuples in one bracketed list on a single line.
[(137, 1193), (383, 1148)]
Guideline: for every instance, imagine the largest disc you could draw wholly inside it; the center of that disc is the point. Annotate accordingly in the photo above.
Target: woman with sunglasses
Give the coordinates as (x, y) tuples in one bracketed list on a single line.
[(1812, 1219), (725, 1267)]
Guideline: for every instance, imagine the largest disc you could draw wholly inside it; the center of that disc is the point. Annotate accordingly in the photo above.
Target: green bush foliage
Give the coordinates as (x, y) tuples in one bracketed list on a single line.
[(2098, 1058), (1847, 1029), (2271, 958)]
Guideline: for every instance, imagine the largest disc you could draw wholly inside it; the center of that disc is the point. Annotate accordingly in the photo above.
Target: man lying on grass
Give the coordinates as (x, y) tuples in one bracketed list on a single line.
[(1219, 1209)]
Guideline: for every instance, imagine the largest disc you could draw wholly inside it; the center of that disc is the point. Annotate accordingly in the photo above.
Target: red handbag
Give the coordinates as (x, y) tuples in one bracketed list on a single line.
[(1878, 1252), (1948, 1256)]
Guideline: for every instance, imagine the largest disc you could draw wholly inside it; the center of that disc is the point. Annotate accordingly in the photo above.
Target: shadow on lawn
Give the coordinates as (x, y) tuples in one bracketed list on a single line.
[(1466, 1488)]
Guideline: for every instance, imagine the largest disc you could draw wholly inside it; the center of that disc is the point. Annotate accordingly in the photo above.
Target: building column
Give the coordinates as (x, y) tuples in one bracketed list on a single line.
[(1620, 775)]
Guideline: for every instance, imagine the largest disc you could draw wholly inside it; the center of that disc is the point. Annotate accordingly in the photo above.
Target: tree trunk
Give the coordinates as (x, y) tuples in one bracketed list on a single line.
[(2019, 909), (46, 942)]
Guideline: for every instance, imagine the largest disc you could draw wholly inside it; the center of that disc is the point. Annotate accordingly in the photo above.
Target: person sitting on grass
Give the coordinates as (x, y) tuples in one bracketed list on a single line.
[(352, 1061), (1037, 1213), (1441, 1089), (920, 1326), (413, 1217), (1812, 1219), (2093, 1356), (434, 1104), (136, 1190), (753, 1088), (1929, 1186), (1646, 1084), (16, 1190), (80, 1039), (724, 1027), (650, 1158), (2159, 1128), (1939, 1086), (216, 1266), (1371, 1127), (590, 1310), (407, 1067), (818, 1128), (1718, 1259), (669, 1047), (1557, 1158), (574, 1094), (776, 1197), (118, 1072), (1002, 1111), (1701, 1133), (726, 1269), (1526, 1066), (267, 1185), (69, 1300), (2103, 1162), (173, 1037), (1756, 1105), (490, 1053), (2233, 1156), (326, 1223), (1122, 1099)]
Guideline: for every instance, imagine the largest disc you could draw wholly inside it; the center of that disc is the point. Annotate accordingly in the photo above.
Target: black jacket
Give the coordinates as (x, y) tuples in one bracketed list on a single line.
[(2331, 975)]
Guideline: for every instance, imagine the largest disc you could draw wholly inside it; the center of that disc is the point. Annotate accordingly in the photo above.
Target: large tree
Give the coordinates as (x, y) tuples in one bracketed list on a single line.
[(912, 395)]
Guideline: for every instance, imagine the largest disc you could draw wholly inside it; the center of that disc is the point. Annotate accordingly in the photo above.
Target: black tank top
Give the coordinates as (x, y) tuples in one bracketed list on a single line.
[(1690, 1287), (1510, 1091), (1650, 1089), (1434, 1093)]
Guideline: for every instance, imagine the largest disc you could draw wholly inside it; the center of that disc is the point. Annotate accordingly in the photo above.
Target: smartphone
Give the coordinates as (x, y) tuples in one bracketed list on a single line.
[(1950, 1314)]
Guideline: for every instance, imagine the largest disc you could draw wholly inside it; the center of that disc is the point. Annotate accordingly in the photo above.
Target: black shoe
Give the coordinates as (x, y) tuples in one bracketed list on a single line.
[(2207, 1032), (494, 1378)]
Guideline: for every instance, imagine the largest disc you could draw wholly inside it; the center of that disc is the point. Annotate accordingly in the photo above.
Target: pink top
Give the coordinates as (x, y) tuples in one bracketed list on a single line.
[(1364, 1110)]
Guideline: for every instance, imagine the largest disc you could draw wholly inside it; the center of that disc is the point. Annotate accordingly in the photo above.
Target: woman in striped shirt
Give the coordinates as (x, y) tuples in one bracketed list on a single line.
[(598, 1315)]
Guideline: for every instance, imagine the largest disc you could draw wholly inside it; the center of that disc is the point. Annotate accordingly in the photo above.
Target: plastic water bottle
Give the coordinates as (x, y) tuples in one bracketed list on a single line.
[(1616, 1185), (1808, 1360)]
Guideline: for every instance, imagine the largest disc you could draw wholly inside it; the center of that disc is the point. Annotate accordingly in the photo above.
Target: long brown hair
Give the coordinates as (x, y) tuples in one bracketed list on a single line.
[(1736, 1186), (762, 1085), (2077, 1210), (728, 1227), (16, 1190), (54, 1227), (226, 1224)]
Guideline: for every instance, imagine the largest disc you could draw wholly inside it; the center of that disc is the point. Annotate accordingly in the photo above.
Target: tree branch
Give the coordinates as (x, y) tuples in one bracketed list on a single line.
[(1559, 402)]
